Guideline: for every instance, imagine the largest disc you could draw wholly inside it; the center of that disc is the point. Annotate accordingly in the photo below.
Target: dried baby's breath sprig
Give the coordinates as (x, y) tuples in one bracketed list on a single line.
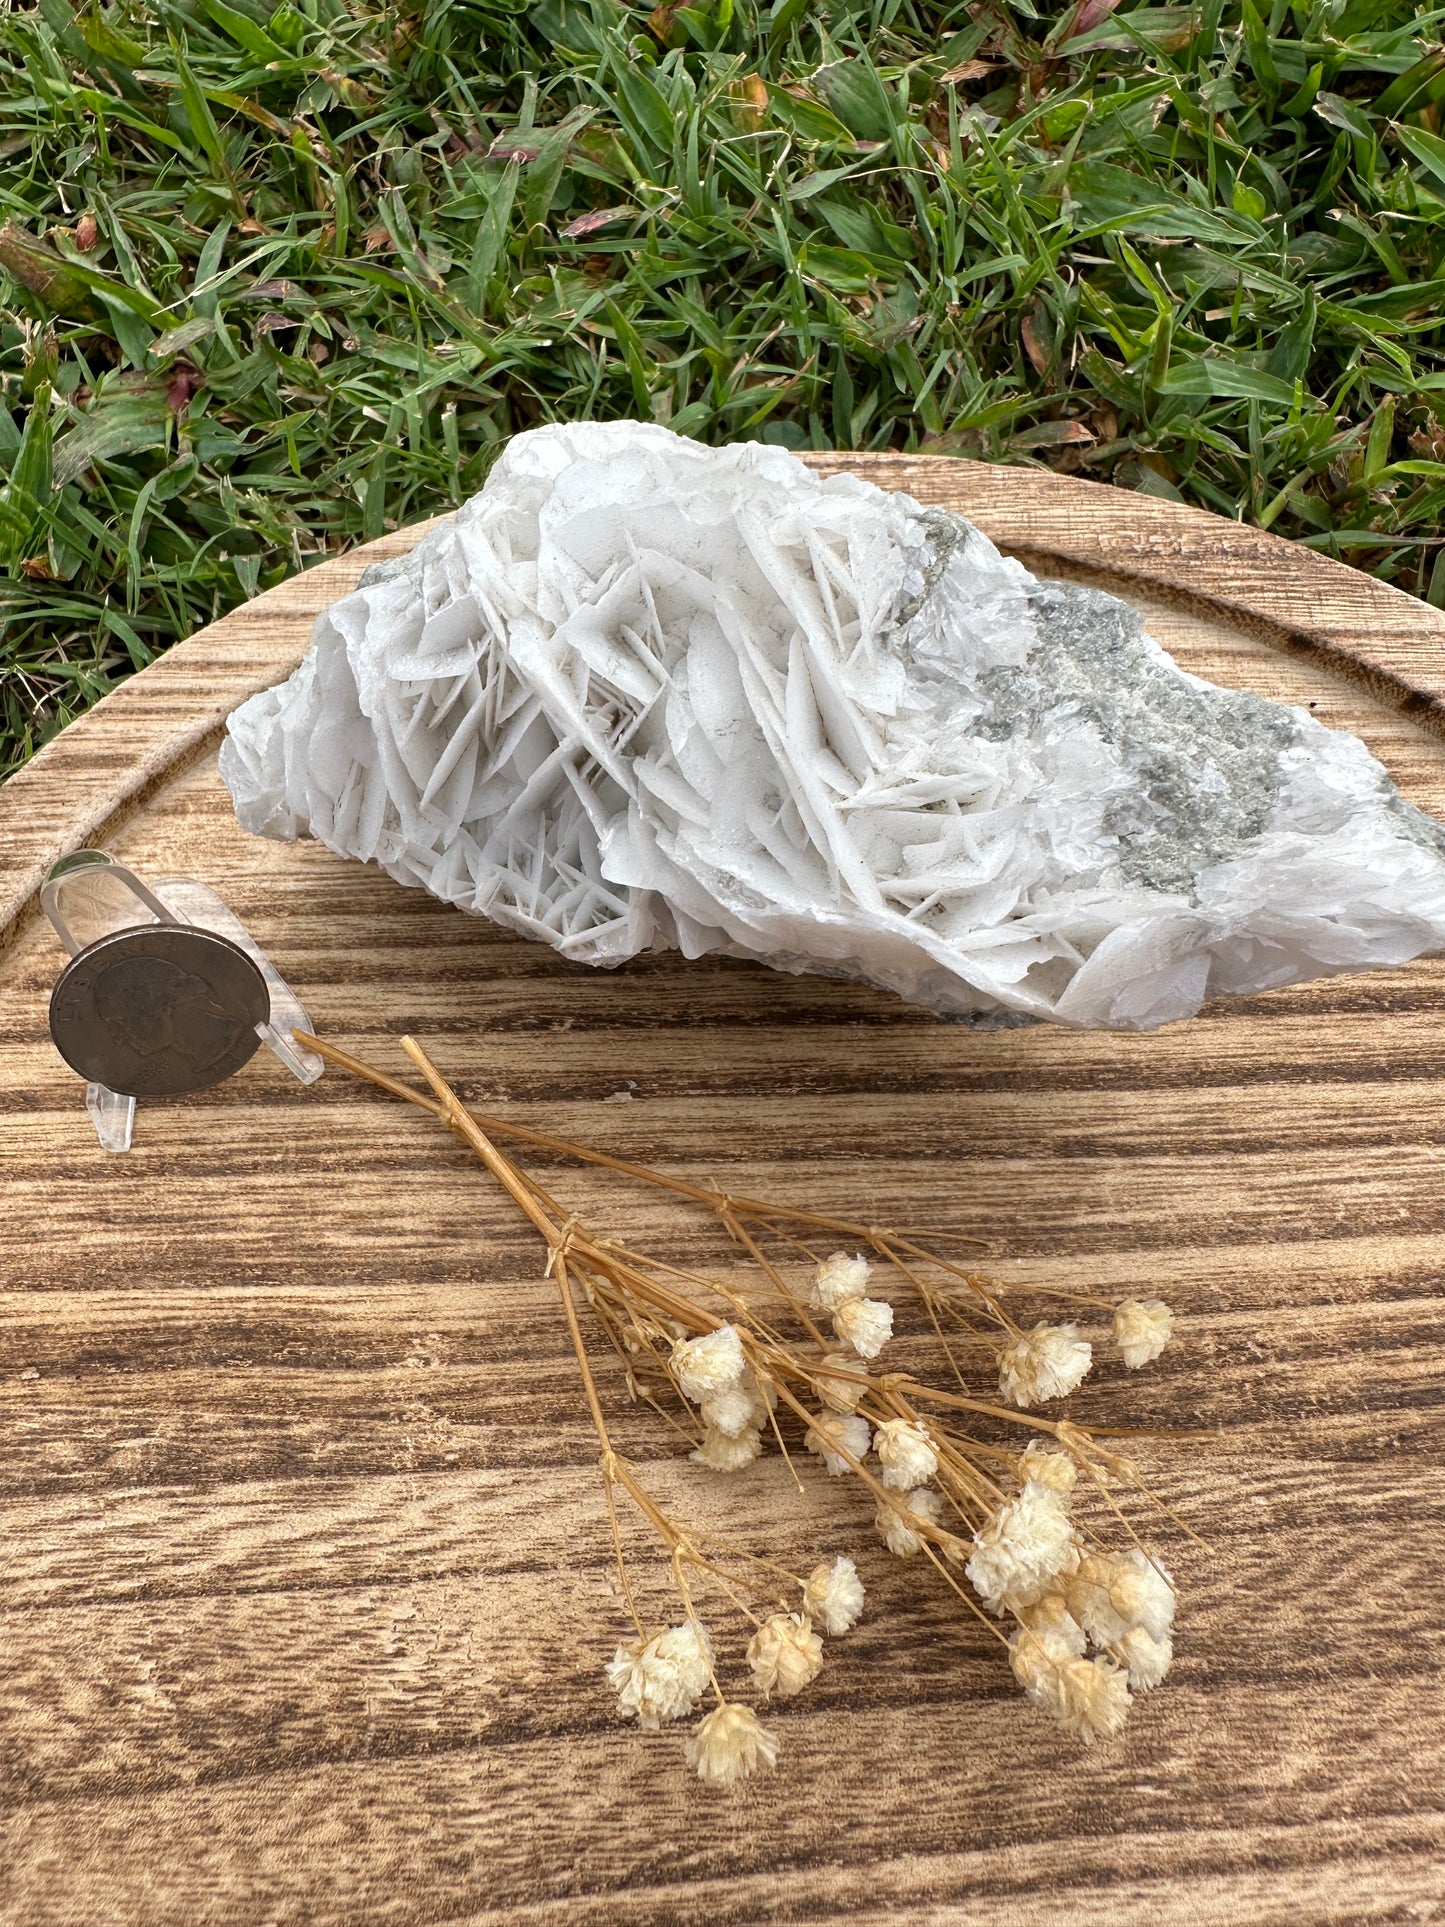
[(1054, 1469), (664, 1677), (708, 1366), (906, 1454), (1050, 1614), (738, 1366), (1025, 1546), (1144, 1658), (1088, 1697), (785, 1654), (838, 1281), (730, 1744), (902, 1524), (726, 1451), (841, 1380), (834, 1596), (864, 1323), (733, 1412), (840, 1440), (1112, 1594), (1049, 1362), (1141, 1330)]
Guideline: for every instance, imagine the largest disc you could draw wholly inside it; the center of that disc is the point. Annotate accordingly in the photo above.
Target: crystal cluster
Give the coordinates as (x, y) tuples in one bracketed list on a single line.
[(641, 694)]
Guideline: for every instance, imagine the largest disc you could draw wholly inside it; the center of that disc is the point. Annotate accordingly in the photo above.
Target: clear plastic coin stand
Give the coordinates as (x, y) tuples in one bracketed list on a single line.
[(99, 907)]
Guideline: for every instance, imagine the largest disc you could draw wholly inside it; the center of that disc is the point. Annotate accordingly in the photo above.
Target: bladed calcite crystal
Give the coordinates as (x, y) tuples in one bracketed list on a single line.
[(642, 694)]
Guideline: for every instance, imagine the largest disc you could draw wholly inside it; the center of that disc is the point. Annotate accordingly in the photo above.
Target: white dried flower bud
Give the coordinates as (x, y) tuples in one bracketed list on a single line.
[(1045, 1467), (838, 1393), (1146, 1658), (732, 1412), (1051, 1615), (1113, 1592), (730, 1744), (904, 1451), (1047, 1362), (785, 1654), (724, 1454), (664, 1677), (832, 1430), (864, 1323), (1141, 1330), (897, 1534), (1088, 1697), (834, 1596), (1027, 1544), (837, 1280), (705, 1366)]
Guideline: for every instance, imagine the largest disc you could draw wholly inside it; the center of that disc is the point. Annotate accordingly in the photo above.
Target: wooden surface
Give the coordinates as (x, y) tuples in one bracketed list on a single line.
[(306, 1592)]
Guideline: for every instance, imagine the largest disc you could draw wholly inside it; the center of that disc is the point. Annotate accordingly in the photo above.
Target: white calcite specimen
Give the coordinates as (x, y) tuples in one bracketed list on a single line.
[(642, 694)]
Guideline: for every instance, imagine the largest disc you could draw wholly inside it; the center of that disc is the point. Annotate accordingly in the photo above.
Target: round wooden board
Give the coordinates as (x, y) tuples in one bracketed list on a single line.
[(307, 1593)]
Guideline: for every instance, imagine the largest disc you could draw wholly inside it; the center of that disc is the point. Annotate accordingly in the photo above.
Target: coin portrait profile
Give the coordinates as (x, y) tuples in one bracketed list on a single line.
[(151, 1005), (159, 1010)]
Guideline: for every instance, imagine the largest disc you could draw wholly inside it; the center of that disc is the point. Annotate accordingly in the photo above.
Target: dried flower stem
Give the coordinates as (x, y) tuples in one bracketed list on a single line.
[(720, 1201), (888, 1242), (736, 1378), (454, 1114)]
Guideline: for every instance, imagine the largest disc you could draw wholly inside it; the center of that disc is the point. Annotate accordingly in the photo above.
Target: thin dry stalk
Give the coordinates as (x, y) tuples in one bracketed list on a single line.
[(736, 1359)]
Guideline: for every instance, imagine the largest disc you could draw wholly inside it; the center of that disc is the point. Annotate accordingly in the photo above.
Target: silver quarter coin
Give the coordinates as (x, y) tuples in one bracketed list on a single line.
[(159, 1010)]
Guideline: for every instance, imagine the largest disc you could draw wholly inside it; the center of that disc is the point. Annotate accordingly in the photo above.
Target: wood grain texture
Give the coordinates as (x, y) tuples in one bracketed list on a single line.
[(306, 1590)]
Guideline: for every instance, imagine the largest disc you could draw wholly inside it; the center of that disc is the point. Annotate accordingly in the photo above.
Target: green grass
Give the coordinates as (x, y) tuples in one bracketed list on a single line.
[(280, 278)]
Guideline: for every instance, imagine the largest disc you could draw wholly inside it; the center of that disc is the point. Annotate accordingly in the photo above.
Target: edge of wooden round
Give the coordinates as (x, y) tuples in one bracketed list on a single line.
[(84, 783), (1328, 1817)]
